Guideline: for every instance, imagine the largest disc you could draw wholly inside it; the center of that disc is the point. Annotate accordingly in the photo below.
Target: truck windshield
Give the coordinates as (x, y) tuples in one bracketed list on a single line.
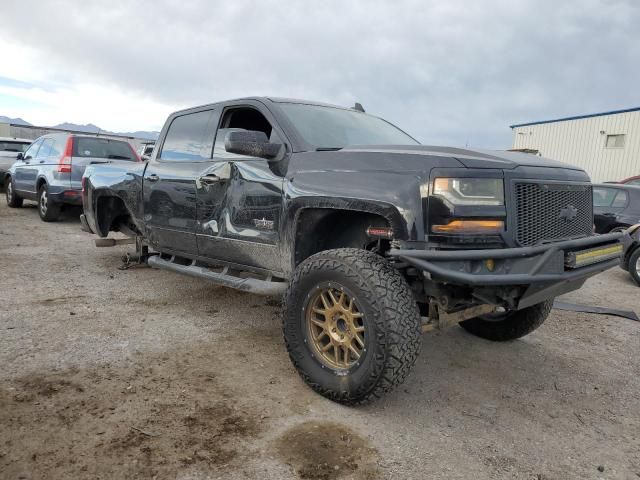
[(334, 128), (103, 148), (10, 146)]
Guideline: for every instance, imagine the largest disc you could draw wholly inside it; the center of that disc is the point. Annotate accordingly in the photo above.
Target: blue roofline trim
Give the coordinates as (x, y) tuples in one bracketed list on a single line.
[(577, 117)]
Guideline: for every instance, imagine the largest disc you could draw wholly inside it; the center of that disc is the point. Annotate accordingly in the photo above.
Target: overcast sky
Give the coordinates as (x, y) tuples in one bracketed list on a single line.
[(453, 73)]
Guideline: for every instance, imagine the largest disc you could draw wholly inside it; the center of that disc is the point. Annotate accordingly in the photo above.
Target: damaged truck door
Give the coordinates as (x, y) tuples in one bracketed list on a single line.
[(239, 196)]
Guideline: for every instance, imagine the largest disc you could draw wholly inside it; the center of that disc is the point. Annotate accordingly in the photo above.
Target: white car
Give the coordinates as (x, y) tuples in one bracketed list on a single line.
[(10, 147)]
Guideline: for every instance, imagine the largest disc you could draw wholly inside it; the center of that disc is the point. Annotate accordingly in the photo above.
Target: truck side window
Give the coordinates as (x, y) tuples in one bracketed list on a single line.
[(189, 138), (243, 118)]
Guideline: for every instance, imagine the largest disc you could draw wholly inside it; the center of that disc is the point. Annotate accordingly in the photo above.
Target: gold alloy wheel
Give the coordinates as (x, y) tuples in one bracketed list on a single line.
[(336, 328)]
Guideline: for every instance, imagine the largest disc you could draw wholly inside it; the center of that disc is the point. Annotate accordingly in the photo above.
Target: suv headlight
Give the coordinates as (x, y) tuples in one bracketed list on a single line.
[(470, 191)]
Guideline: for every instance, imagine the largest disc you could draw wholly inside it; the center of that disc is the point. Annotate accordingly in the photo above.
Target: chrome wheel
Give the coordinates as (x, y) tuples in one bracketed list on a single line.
[(9, 192), (336, 327), (43, 201)]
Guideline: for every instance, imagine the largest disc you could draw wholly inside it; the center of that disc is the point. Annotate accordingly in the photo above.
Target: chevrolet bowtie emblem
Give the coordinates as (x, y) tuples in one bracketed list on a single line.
[(569, 213)]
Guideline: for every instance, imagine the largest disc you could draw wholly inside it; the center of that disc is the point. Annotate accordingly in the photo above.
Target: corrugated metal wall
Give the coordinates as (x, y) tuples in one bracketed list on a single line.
[(580, 142), (32, 132)]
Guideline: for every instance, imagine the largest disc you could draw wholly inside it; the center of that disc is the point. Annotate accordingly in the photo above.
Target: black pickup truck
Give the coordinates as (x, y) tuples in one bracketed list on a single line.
[(371, 237)]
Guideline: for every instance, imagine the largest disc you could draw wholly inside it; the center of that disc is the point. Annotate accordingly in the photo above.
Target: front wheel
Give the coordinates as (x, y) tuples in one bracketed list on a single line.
[(634, 265), (48, 210), (509, 325), (13, 200), (351, 325)]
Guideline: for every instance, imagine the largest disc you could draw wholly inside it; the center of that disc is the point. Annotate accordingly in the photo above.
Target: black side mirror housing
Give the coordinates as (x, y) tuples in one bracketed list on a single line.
[(251, 143), (20, 156)]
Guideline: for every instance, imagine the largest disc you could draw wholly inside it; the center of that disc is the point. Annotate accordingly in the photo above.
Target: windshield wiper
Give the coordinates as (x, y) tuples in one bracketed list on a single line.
[(328, 149), (118, 157)]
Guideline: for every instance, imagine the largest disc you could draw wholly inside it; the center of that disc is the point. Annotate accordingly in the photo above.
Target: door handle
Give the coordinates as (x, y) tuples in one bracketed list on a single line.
[(209, 179), (153, 178)]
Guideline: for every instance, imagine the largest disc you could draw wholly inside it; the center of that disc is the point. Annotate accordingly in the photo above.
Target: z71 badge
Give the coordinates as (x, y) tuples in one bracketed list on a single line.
[(263, 223)]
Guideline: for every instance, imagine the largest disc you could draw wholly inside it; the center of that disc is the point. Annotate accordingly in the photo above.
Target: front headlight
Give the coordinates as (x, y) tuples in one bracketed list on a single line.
[(470, 191)]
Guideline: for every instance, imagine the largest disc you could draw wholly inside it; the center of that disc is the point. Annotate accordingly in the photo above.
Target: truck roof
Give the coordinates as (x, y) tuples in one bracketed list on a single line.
[(269, 99)]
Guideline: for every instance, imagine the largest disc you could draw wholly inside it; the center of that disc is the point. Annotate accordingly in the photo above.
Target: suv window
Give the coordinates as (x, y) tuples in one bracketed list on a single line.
[(189, 138), (11, 146), (45, 149), (33, 149), (103, 148)]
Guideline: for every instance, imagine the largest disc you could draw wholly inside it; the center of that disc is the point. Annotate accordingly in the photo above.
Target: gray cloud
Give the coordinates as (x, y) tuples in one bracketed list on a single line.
[(447, 72)]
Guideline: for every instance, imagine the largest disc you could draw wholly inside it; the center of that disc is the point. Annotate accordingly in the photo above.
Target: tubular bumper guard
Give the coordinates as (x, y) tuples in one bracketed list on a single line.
[(516, 266)]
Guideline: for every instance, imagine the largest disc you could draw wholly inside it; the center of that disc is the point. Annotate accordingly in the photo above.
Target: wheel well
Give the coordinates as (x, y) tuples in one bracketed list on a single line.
[(319, 229), (39, 183), (112, 215), (630, 251)]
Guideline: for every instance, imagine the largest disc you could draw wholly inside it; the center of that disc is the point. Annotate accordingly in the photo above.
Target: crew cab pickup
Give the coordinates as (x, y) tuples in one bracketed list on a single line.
[(371, 237)]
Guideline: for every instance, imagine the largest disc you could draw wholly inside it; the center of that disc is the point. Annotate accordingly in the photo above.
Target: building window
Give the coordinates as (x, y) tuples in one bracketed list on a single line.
[(615, 141)]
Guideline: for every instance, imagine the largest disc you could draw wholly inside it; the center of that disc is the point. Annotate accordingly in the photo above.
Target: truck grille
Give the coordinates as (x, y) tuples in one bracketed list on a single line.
[(551, 212)]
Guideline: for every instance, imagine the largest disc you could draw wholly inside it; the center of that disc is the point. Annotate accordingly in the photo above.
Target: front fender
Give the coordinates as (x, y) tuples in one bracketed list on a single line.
[(396, 197)]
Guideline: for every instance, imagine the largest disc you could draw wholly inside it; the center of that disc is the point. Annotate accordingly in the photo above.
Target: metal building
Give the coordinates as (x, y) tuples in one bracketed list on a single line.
[(606, 145)]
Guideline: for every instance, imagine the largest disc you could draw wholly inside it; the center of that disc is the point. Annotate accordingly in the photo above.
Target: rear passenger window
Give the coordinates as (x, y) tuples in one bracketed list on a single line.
[(190, 137), (45, 149)]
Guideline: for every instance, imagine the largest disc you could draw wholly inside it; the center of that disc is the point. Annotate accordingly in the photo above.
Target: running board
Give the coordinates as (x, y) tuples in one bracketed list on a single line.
[(253, 285)]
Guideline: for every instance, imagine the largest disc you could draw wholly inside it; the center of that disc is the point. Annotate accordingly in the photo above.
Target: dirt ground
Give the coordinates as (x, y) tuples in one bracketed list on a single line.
[(108, 373)]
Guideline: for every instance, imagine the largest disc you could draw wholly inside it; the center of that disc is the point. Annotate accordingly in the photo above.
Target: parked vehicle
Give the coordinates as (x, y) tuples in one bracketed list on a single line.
[(363, 229), (50, 170), (616, 207), (10, 147)]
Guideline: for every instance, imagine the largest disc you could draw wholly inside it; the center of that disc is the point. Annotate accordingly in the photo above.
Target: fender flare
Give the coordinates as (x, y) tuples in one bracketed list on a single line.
[(296, 206)]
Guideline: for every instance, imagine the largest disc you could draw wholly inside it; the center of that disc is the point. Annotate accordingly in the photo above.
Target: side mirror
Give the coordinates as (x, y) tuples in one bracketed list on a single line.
[(251, 143), (20, 156)]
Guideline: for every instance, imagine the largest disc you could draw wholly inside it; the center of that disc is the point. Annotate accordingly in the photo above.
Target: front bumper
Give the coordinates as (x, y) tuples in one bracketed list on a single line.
[(542, 269)]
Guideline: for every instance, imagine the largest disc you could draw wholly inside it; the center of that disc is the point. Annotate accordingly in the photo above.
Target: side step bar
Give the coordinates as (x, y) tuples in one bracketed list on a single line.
[(253, 285)]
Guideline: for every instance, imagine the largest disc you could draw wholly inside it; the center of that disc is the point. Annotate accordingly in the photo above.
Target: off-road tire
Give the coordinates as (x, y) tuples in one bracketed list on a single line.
[(514, 324), (633, 265), (13, 200), (48, 210), (391, 318)]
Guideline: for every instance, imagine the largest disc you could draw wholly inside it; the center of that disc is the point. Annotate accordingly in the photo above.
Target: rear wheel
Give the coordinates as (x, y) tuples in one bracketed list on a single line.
[(48, 210), (351, 325), (634, 265), (13, 200), (509, 325)]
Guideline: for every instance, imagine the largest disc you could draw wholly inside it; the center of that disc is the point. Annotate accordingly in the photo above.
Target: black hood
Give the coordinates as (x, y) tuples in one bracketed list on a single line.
[(469, 158)]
